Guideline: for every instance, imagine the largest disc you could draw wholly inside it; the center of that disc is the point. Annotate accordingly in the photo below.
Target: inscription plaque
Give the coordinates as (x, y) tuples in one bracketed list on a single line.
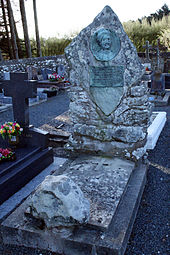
[(106, 86), (111, 76)]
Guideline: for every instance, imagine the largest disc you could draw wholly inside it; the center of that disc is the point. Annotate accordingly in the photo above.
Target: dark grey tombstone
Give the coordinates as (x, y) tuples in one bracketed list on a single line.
[(33, 154), (147, 47), (17, 86), (45, 72), (157, 83), (29, 71), (32, 72), (60, 70)]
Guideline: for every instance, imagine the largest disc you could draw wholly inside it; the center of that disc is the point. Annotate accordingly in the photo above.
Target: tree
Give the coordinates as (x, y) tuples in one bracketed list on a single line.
[(6, 29), (1, 57), (39, 54), (158, 15), (12, 30), (25, 29)]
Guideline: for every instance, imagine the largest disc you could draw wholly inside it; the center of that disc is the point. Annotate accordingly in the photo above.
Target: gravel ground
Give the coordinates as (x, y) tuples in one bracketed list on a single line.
[(150, 234)]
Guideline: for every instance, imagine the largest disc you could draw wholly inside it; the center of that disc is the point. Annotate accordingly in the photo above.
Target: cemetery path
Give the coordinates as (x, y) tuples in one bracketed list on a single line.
[(43, 112)]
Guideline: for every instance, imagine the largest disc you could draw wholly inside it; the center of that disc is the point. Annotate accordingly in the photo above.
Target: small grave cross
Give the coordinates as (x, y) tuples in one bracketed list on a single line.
[(147, 48), (158, 48), (17, 86)]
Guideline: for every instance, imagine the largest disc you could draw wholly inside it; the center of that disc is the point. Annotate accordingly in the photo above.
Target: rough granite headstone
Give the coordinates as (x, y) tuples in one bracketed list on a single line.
[(109, 103)]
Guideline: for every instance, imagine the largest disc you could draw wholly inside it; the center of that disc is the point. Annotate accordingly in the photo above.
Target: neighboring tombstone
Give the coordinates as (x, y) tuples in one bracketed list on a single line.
[(29, 71), (158, 78), (157, 83), (32, 72), (17, 86), (109, 104), (147, 48), (60, 70), (45, 72), (158, 48)]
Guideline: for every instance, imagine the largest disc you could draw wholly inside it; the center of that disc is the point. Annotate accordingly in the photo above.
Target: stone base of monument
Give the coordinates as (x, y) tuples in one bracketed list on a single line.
[(154, 130), (32, 156), (114, 188), (160, 100)]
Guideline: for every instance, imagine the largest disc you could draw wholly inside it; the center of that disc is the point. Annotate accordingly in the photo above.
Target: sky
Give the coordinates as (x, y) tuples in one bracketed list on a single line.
[(57, 18)]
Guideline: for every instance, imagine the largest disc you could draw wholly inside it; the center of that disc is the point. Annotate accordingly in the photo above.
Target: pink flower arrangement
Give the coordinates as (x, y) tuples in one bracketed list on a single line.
[(6, 154), (55, 77)]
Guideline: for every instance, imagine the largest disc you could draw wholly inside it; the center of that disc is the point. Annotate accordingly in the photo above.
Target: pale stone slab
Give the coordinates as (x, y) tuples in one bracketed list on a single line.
[(103, 181), (155, 129)]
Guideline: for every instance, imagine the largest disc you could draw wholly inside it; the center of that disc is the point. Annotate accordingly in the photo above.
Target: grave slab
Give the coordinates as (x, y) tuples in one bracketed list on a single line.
[(108, 235)]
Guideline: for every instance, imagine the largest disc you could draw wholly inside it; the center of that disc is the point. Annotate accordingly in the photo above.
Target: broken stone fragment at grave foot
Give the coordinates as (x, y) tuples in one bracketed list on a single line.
[(109, 105), (58, 204)]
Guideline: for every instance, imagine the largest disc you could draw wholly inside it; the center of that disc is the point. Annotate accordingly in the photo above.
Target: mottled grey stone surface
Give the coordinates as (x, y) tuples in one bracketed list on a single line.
[(58, 202), (109, 105), (103, 181)]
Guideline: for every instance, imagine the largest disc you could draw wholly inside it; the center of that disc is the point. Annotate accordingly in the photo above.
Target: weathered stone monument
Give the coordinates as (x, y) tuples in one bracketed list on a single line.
[(110, 114), (109, 103)]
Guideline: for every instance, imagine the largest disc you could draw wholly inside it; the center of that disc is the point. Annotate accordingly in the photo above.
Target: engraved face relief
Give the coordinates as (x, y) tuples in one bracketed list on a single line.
[(105, 44), (104, 40)]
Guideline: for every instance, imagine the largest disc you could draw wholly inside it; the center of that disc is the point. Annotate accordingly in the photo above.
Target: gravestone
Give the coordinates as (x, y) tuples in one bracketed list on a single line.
[(157, 83), (147, 47), (17, 86), (32, 72), (109, 105), (33, 154), (45, 72), (60, 70), (110, 113)]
